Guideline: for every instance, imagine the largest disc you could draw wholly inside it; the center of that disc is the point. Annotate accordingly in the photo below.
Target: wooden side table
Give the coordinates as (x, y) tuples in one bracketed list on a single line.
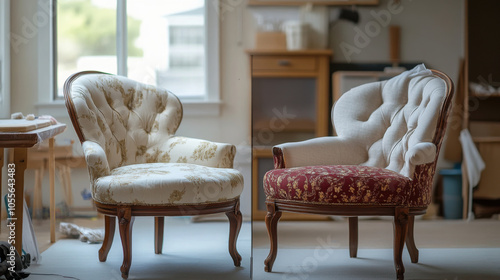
[(286, 82), (21, 141), (39, 158)]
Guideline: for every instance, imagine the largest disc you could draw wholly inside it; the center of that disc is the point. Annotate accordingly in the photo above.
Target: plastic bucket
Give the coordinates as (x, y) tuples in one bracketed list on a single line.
[(452, 193)]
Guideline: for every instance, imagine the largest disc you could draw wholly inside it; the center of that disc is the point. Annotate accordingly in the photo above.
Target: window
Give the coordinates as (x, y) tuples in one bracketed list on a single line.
[(164, 43), (86, 38), (173, 56)]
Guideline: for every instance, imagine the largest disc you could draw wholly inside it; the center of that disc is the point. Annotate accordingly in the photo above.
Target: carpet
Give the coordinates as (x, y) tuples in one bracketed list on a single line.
[(190, 251), (330, 263)]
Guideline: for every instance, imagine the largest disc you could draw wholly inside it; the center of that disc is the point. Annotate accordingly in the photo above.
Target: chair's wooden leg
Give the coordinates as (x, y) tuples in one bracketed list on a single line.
[(410, 240), (400, 229), (235, 220), (353, 236), (126, 222), (109, 233), (37, 194), (272, 219), (159, 225)]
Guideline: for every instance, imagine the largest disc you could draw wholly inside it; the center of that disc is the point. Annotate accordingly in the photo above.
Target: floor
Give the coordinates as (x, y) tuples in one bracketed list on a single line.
[(191, 251), (448, 249), (42, 229), (302, 239), (481, 233)]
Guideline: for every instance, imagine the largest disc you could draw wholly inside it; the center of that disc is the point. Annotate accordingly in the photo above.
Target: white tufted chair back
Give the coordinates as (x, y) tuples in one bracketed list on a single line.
[(393, 123), (129, 120)]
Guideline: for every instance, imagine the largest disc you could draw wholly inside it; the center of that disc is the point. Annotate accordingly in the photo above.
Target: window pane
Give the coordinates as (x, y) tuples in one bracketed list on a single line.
[(166, 44), (86, 37)]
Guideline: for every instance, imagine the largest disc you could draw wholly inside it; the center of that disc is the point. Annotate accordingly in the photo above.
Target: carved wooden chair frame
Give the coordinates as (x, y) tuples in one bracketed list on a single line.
[(404, 216), (127, 213)]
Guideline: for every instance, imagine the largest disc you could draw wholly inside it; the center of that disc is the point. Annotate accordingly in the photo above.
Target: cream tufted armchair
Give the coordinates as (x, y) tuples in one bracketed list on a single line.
[(138, 167), (381, 163)]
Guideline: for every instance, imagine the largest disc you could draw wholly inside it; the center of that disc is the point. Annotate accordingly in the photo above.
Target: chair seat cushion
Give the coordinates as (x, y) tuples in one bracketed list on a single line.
[(168, 184), (338, 184)]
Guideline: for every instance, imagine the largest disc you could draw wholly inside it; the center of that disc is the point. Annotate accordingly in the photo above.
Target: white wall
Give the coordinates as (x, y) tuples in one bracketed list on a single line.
[(432, 32), (4, 59)]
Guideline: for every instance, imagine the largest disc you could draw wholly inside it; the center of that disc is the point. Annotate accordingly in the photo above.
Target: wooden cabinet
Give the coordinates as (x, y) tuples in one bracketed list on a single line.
[(290, 102), (284, 64), (481, 117)]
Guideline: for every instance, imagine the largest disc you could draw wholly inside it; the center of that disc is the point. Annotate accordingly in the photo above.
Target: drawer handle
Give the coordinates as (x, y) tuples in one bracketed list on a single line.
[(284, 62)]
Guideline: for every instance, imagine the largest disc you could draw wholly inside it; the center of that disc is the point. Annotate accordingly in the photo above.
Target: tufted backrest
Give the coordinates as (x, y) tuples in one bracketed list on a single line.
[(394, 120), (126, 118)]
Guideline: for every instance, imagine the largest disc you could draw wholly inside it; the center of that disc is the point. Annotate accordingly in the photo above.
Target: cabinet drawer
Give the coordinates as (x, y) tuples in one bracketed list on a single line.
[(283, 63)]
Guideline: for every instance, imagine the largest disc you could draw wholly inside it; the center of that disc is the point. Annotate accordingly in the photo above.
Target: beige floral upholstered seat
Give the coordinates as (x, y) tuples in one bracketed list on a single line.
[(138, 167), (382, 161)]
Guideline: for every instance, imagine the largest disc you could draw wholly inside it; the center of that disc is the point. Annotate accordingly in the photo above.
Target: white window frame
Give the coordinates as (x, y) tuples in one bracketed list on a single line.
[(206, 105), (4, 59)]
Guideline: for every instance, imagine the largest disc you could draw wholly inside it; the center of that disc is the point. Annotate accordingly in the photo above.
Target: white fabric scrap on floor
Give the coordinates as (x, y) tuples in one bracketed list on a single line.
[(84, 234)]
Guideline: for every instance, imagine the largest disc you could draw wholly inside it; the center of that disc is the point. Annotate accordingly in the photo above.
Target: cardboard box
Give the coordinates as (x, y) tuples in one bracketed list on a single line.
[(270, 40)]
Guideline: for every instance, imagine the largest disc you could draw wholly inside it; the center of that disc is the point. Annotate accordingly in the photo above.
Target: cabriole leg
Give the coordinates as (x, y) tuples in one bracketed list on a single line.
[(235, 220), (272, 219)]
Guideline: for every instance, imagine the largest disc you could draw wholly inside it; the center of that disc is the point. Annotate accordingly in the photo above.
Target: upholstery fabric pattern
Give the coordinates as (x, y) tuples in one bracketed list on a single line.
[(377, 126), (129, 120), (196, 151), (338, 184), (168, 184), (390, 125), (96, 160), (421, 187), (132, 154)]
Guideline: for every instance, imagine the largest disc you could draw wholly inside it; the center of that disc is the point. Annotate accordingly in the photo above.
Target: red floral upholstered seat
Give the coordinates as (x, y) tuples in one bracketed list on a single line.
[(338, 184), (382, 162)]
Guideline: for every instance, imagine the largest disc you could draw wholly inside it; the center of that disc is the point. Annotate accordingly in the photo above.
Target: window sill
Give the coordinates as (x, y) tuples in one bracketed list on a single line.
[(195, 108), (191, 108)]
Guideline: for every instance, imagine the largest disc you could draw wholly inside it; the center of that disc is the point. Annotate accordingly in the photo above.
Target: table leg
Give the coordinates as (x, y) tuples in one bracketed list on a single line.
[(20, 160), (52, 168)]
